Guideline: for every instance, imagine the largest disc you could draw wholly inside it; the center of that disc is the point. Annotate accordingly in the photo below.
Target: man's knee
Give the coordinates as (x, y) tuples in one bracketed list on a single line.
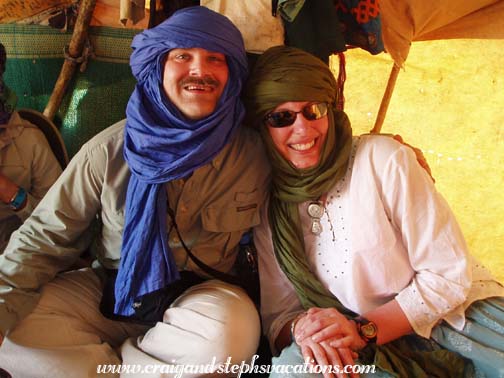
[(242, 330), (213, 319)]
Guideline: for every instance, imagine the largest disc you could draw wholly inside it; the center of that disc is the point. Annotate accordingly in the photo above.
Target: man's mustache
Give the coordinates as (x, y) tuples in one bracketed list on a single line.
[(199, 81)]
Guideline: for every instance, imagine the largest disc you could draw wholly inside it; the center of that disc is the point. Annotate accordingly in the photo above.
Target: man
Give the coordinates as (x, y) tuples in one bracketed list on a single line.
[(180, 148)]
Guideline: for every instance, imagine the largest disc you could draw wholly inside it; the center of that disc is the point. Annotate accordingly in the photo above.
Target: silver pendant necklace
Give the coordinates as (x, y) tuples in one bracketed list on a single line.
[(316, 210)]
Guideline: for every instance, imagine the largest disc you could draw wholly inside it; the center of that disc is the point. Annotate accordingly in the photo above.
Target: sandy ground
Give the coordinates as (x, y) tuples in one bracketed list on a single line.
[(448, 101)]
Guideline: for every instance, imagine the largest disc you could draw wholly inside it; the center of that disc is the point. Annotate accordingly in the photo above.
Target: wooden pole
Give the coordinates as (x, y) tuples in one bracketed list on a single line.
[(75, 48), (382, 112)]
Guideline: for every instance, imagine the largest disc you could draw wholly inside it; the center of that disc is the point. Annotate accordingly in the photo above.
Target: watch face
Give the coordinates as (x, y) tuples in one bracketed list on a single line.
[(369, 330)]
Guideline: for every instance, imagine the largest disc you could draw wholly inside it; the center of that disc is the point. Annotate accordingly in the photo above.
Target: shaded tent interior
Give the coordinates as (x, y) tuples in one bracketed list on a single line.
[(473, 68)]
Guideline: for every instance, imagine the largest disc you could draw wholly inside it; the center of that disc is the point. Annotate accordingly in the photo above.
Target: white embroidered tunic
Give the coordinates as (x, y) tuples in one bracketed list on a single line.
[(389, 234)]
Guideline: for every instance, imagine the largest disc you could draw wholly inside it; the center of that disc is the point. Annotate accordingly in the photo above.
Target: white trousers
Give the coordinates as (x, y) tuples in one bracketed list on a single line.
[(67, 336)]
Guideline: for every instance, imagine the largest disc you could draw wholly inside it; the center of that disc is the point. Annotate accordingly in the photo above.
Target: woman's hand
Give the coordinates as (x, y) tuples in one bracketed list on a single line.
[(324, 355), (330, 326)]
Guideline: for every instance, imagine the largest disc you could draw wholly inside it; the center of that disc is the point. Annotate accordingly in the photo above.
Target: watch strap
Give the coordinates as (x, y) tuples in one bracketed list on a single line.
[(19, 199)]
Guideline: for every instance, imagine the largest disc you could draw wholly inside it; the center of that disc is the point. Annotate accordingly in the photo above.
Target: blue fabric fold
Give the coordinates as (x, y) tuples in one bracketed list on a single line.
[(161, 145)]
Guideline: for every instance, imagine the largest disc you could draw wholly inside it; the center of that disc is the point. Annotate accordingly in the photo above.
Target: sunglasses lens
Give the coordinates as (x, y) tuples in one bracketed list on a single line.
[(281, 119), (315, 111), (287, 117)]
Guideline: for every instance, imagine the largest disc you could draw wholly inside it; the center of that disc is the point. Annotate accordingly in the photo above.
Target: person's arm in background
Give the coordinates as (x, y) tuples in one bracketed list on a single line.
[(43, 170), (51, 239)]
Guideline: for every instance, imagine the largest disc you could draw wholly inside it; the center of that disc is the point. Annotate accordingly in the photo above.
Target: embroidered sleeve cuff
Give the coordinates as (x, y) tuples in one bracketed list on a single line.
[(423, 310)]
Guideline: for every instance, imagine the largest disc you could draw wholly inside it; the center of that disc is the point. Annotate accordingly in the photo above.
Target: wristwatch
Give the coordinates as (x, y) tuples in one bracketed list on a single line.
[(366, 329)]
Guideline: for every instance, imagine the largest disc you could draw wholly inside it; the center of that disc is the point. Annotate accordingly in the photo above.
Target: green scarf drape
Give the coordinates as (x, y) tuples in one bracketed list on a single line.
[(285, 74), (288, 190)]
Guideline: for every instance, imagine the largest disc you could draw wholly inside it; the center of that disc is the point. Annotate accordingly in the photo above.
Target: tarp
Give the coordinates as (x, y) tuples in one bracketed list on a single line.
[(113, 13), (447, 101), (405, 21)]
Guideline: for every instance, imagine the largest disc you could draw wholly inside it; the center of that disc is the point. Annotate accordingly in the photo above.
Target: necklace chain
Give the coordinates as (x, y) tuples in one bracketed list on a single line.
[(331, 227)]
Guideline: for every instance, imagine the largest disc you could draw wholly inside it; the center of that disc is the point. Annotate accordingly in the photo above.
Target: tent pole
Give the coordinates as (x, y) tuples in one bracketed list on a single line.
[(380, 118), (74, 52)]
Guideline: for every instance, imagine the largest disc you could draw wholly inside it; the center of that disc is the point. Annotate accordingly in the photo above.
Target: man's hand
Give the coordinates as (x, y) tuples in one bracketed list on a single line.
[(419, 155), (328, 325)]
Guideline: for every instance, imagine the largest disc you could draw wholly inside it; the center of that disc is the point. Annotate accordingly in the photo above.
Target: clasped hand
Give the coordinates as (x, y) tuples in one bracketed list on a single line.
[(326, 337)]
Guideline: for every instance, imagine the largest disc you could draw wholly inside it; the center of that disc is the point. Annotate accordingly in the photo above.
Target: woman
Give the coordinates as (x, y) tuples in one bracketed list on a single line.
[(369, 257)]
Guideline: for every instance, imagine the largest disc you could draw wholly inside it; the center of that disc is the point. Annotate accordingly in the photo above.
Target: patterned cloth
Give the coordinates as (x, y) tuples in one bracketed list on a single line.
[(361, 23), (482, 338), (326, 27)]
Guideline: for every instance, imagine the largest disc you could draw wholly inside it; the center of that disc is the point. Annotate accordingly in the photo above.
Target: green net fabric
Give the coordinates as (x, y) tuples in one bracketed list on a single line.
[(94, 100)]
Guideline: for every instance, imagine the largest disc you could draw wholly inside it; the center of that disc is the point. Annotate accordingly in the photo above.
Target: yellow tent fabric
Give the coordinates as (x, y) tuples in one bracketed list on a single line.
[(447, 101), (405, 21)]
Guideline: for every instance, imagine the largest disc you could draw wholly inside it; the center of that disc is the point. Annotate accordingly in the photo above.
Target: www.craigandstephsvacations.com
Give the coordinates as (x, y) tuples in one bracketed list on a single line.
[(228, 368)]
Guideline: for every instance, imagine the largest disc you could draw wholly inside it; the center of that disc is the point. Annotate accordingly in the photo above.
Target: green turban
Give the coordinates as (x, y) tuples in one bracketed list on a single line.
[(285, 74)]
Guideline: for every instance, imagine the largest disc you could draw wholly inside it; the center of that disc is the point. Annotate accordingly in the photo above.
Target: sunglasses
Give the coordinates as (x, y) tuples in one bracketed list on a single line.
[(284, 118)]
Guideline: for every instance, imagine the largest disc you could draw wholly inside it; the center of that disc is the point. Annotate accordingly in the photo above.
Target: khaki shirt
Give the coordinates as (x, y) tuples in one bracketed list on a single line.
[(213, 207), (29, 162)]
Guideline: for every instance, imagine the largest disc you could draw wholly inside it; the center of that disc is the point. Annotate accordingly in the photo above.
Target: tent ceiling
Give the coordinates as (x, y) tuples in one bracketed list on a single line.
[(406, 21)]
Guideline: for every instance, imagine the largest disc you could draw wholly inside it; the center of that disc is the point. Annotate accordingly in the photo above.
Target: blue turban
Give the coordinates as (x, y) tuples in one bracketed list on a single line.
[(161, 145)]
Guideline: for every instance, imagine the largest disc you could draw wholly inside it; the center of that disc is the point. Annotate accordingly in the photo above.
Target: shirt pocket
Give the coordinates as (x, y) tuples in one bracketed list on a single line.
[(240, 214), (12, 167)]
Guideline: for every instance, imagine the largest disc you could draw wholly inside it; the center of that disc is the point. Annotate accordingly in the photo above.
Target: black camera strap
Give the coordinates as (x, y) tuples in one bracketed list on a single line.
[(204, 267)]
